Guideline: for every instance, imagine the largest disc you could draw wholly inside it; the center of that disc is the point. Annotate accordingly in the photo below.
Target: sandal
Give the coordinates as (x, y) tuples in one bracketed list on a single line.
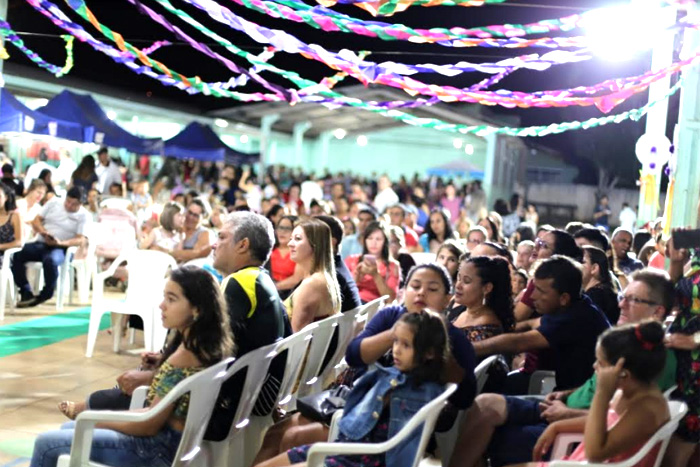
[(69, 409)]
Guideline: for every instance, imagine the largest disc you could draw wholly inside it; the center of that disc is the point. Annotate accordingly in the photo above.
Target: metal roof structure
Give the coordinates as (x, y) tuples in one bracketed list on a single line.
[(353, 120)]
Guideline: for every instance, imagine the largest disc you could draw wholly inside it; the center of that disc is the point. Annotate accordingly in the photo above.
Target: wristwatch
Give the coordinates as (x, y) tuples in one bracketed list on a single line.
[(696, 338)]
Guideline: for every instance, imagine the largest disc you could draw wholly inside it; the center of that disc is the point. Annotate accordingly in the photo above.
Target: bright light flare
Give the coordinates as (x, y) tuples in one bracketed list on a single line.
[(362, 140), (622, 31)]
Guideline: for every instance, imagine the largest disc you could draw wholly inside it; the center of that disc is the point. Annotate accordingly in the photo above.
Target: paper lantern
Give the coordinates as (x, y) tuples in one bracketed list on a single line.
[(653, 151)]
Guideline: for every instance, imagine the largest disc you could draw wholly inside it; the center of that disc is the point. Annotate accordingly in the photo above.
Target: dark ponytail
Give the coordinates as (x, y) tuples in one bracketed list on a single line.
[(641, 345)]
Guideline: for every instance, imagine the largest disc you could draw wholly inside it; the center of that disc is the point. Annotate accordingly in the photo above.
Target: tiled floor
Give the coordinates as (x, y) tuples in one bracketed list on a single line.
[(33, 382)]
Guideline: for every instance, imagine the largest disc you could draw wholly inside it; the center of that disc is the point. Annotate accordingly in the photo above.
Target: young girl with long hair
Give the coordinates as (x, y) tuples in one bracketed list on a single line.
[(194, 311), (383, 400), (318, 295), (437, 231), (628, 406)]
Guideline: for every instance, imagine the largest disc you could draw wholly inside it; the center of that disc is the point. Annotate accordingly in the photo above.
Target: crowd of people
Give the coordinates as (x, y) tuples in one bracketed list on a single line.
[(599, 309)]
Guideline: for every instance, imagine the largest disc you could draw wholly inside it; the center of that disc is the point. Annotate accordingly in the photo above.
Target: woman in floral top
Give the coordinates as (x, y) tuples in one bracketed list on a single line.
[(193, 310), (683, 337)]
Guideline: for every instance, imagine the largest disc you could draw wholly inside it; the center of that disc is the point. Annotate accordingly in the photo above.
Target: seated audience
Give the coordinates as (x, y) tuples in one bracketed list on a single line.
[(437, 231), (648, 296), (9, 179), (10, 225), (349, 295), (193, 310), (285, 272), (376, 407), (621, 241), (519, 280), (627, 409), (45, 176), (483, 288), (597, 282), (60, 224), (168, 234), (375, 272), (523, 258), (196, 242), (30, 206), (397, 250), (318, 294), (353, 244), (84, 175), (476, 236), (448, 255)]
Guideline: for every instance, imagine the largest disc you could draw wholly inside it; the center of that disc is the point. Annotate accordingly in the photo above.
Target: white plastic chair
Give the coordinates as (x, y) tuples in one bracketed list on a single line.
[(424, 420), (63, 283), (296, 346), (203, 388), (662, 436), (116, 203), (231, 451), (542, 382), (320, 343), (7, 282), (369, 309), (446, 440), (147, 276), (82, 270), (422, 257)]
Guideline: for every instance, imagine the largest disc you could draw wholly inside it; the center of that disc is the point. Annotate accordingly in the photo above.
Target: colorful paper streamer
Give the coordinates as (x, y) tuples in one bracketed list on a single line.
[(62, 21), (58, 71), (389, 7)]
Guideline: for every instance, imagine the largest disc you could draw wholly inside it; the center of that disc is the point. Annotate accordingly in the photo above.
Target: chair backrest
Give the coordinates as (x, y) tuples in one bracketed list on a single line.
[(424, 419), (542, 382), (320, 341), (117, 232), (257, 364), (296, 346), (116, 203), (662, 436), (481, 372), (370, 309), (203, 388), (147, 274), (422, 257)]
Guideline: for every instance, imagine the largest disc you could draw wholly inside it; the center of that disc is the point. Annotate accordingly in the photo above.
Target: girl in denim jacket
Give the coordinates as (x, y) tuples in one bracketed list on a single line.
[(383, 400)]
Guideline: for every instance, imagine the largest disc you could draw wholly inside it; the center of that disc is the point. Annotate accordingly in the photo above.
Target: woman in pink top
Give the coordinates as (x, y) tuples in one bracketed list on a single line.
[(374, 271), (628, 408)]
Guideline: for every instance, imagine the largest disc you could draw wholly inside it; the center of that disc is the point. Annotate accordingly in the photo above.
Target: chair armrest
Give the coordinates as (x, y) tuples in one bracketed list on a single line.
[(563, 442), (7, 257), (319, 451), (334, 428), (109, 272), (138, 398)]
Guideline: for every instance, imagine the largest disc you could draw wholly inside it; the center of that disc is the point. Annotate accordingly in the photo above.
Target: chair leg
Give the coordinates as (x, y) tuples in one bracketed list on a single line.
[(117, 331), (93, 329), (3, 292)]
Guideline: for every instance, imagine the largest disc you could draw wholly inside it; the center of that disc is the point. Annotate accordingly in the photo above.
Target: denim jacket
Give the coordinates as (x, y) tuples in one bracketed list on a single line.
[(366, 401)]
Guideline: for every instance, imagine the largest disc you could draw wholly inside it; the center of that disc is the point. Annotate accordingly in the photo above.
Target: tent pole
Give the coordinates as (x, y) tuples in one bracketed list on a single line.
[(3, 14)]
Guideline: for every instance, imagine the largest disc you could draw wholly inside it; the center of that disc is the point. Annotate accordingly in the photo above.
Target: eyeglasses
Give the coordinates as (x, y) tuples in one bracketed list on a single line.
[(632, 300), (194, 214), (539, 243)]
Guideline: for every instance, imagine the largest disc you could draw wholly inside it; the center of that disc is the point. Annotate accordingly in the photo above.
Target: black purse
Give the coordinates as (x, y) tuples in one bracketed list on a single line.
[(321, 406)]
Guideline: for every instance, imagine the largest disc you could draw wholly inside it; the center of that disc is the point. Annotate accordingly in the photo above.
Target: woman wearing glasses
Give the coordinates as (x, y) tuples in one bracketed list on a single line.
[(197, 241), (283, 270)]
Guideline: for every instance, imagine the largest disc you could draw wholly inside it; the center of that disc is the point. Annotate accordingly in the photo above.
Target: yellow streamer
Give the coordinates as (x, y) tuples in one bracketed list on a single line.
[(668, 208), (3, 53)]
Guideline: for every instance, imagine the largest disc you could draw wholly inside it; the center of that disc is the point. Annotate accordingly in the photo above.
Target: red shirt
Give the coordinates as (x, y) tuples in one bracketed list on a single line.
[(366, 286), (281, 267)]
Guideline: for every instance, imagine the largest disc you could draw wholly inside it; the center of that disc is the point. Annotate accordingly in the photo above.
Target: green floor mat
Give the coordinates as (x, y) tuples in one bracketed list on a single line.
[(35, 333)]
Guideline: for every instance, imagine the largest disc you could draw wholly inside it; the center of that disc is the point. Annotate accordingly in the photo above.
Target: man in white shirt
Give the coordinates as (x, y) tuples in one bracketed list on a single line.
[(107, 172), (386, 196), (61, 224), (36, 168), (628, 218)]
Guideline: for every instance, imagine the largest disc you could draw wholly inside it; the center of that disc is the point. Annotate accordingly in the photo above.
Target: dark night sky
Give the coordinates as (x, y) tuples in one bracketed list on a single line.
[(612, 142)]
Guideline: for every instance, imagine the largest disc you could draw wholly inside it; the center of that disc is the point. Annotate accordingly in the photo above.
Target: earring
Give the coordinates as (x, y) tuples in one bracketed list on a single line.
[(483, 301)]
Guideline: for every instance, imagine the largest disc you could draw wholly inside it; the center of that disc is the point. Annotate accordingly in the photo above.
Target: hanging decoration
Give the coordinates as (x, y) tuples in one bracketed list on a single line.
[(389, 7), (329, 20), (653, 152), (7, 32), (3, 52), (331, 98)]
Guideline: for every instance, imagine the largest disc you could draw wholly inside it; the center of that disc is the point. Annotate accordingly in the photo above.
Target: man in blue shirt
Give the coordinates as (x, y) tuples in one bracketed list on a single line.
[(352, 244), (621, 244)]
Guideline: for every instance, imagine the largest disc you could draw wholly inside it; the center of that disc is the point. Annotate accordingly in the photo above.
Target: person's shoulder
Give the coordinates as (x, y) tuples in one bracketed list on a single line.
[(183, 358)]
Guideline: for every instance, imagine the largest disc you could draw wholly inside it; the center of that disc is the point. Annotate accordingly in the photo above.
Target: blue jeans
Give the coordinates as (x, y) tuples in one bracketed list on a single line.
[(51, 257), (110, 447), (513, 442)]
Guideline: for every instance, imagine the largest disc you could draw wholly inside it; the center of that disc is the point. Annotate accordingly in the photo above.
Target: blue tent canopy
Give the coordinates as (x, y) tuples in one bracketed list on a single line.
[(15, 116), (98, 128), (457, 168), (198, 141)]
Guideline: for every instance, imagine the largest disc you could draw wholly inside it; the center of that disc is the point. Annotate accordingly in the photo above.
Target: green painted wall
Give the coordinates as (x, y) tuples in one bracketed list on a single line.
[(398, 151)]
